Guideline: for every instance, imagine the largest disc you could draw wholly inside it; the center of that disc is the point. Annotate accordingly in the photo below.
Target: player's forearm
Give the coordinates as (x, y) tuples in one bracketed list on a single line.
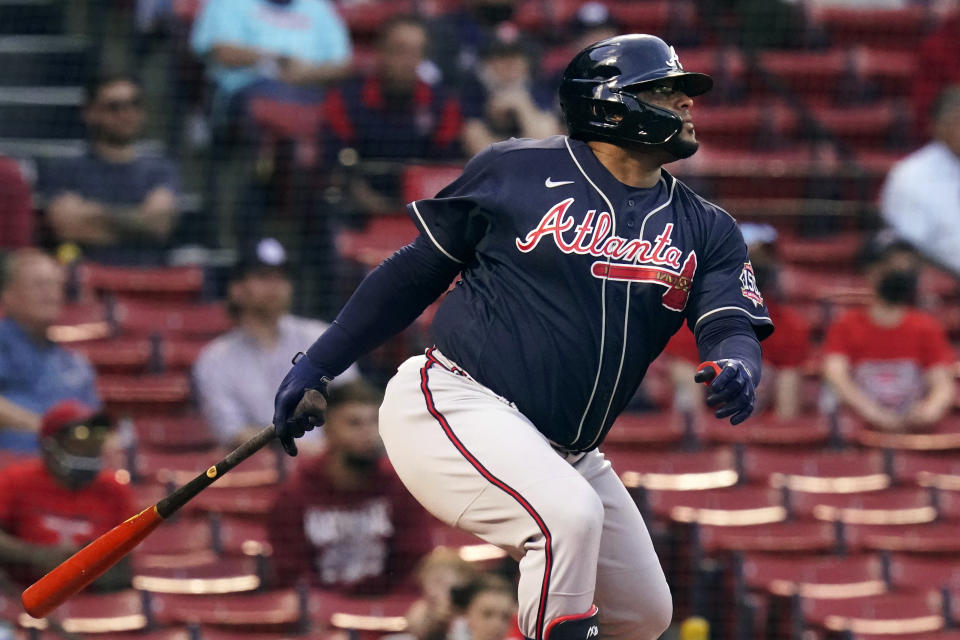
[(13, 416), (15, 551), (236, 56), (942, 392), (731, 337), (385, 303)]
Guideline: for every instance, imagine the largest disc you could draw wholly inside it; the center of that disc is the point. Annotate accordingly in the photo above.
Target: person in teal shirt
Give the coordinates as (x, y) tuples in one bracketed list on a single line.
[(300, 43)]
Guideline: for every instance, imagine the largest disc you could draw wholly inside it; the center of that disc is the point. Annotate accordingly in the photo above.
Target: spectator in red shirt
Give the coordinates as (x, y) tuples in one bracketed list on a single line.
[(52, 505), (890, 362), (345, 522), (784, 353)]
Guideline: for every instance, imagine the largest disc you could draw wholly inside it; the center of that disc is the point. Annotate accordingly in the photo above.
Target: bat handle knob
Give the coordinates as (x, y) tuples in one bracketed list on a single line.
[(703, 371)]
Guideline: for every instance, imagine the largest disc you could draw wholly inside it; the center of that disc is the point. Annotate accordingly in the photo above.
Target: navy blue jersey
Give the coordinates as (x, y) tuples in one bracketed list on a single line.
[(573, 282)]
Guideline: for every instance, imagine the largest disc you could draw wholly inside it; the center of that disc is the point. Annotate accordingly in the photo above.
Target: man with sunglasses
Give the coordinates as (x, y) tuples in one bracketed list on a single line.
[(115, 202), (52, 505)]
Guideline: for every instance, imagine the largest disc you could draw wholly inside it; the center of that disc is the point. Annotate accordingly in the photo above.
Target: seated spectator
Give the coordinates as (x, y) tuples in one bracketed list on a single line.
[(784, 352), (269, 45), (890, 363), (344, 521), (489, 611), (390, 114), (35, 373), (52, 506), (235, 376), (443, 577), (921, 196), (116, 203), (503, 100)]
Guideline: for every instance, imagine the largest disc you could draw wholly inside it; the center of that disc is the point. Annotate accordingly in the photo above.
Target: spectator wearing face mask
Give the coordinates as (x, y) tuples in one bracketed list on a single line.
[(889, 363), (53, 505)]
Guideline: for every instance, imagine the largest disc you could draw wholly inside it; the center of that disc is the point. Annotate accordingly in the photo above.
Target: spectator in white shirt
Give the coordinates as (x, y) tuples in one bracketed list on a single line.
[(236, 375), (921, 196)]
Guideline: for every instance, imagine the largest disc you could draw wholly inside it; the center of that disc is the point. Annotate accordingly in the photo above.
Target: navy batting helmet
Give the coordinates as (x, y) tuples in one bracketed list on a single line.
[(597, 87)]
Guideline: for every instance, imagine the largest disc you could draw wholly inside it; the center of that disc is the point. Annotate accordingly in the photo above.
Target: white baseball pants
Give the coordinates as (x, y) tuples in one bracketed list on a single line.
[(475, 462)]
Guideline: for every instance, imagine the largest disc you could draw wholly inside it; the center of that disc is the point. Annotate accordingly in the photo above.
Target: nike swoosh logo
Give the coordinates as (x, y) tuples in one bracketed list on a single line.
[(550, 184)]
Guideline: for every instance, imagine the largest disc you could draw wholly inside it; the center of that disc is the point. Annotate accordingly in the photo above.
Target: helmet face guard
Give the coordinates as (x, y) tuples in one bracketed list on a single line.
[(597, 92)]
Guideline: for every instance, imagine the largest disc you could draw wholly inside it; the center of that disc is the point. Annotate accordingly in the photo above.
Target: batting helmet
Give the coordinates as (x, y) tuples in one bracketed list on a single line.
[(597, 90)]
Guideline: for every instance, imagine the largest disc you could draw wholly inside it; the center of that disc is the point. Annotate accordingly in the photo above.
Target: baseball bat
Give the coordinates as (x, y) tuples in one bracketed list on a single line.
[(90, 562)]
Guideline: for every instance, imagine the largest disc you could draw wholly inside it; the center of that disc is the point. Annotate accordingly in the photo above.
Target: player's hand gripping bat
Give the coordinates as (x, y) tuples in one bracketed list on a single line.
[(731, 390), (86, 565)]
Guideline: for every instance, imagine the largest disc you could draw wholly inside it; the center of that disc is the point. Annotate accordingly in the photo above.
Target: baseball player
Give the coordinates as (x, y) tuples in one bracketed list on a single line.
[(578, 257)]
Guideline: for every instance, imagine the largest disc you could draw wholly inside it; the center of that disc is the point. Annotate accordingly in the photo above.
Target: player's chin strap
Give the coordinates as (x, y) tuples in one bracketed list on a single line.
[(579, 627)]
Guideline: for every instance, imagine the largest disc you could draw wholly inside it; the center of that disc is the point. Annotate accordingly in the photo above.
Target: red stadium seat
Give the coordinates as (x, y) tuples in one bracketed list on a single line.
[(199, 321), (137, 395), (181, 536), (885, 28), (119, 355), (928, 469), (815, 576), (382, 614), (825, 472), (179, 354), (779, 537), (945, 437), (935, 538), (899, 506), (178, 633), (365, 18), (808, 72), (640, 431), (17, 221), (80, 322), (98, 613), (220, 576), (837, 251), (918, 573), (887, 613), (238, 501), (736, 506), (377, 241), (420, 181), (806, 432), (169, 284), (173, 434), (280, 611), (235, 535), (676, 471), (181, 467)]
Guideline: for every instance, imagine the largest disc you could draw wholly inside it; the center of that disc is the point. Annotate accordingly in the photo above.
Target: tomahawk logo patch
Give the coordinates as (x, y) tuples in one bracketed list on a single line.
[(748, 285)]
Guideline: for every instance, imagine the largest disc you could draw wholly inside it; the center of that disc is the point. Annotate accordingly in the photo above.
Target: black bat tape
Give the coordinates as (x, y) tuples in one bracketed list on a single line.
[(184, 494)]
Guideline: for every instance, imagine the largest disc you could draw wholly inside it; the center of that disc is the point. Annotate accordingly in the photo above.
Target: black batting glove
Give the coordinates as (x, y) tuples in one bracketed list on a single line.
[(300, 403), (730, 388)]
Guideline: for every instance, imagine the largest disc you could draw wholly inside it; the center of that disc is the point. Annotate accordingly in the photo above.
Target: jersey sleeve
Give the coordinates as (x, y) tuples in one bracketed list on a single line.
[(838, 338), (457, 218), (725, 285)]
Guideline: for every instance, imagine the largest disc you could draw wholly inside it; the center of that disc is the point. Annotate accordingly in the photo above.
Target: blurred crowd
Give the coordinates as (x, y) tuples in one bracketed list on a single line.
[(289, 126)]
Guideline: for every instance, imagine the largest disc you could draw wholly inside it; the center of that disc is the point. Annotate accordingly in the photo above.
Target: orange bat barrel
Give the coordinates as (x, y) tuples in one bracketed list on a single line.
[(88, 564)]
